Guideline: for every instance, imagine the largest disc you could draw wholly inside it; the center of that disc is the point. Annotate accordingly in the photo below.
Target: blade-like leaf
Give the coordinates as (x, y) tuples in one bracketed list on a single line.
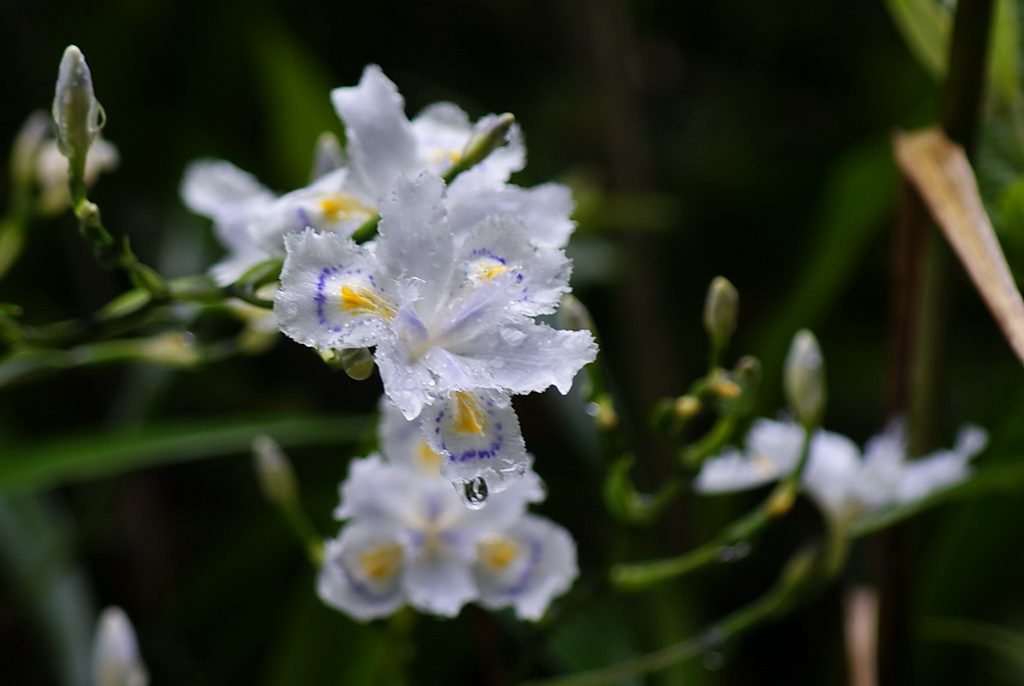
[(41, 466), (939, 170)]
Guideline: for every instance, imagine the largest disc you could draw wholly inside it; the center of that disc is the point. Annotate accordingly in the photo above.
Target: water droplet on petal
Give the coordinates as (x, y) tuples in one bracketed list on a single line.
[(734, 553), (513, 336), (473, 492)]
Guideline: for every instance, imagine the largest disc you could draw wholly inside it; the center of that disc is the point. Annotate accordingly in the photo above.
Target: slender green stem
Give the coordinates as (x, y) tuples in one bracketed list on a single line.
[(797, 581), (920, 295), (779, 501)]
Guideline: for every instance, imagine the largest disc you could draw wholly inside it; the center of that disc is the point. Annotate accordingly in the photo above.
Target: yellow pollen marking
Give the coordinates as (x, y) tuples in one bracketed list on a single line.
[(499, 553), (337, 204), (488, 272), (469, 418), (362, 300), (381, 562), (428, 459), (439, 155)]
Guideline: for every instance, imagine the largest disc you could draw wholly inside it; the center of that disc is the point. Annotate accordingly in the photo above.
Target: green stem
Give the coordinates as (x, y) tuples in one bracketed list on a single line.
[(778, 503), (796, 581), (920, 299)]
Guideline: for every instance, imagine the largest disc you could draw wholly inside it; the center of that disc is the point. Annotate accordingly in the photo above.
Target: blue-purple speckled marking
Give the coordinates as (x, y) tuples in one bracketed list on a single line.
[(472, 454), (320, 298), (484, 251)]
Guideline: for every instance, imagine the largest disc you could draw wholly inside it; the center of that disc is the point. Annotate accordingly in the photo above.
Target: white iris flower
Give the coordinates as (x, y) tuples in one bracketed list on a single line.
[(844, 483), (450, 310), (410, 540), (383, 144)]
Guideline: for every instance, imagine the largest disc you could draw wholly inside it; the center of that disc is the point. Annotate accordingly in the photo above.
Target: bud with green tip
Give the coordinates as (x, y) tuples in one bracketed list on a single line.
[(482, 143), (116, 660), (327, 156), (274, 472), (720, 309), (805, 380), (574, 315), (76, 112)]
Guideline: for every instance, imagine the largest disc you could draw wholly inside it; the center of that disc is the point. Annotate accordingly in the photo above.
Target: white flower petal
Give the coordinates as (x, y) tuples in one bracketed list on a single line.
[(415, 248), (779, 442), (408, 382), (537, 277), (442, 131), (833, 466), (404, 443), (477, 434), (941, 469), (526, 566), (439, 585), (734, 471), (527, 357), (362, 572), (329, 297), (380, 140), (543, 210), (221, 191)]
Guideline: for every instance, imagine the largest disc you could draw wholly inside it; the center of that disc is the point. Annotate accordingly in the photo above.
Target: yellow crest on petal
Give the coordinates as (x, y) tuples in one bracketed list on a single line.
[(468, 417)]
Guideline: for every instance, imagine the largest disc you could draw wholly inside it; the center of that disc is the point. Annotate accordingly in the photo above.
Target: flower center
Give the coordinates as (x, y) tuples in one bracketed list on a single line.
[(361, 300), (381, 562), (337, 205), (498, 552), (469, 417)]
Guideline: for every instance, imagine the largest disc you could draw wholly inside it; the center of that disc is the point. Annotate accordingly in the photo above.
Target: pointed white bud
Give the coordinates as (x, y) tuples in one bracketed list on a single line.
[(274, 471), (720, 311), (805, 380), (116, 660), (76, 112)]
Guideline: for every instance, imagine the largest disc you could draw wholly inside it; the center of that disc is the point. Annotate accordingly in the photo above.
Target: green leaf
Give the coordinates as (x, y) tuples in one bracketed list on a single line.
[(37, 539), (41, 466), (1009, 644), (1005, 52), (926, 26)]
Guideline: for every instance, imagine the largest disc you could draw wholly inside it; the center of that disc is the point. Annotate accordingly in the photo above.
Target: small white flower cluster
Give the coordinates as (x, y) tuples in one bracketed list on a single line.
[(844, 483), (408, 539), (447, 293)]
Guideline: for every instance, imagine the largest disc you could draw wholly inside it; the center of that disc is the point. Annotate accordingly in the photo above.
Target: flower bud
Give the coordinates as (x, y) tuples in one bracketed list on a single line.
[(686, 407), (356, 362), (747, 371), (720, 309), (76, 112), (805, 380), (274, 472), (327, 156), (28, 145), (574, 315), (485, 140), (116, 660)]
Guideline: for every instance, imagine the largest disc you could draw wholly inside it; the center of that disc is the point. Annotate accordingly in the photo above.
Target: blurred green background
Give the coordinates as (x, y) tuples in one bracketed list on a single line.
[(747, 139)]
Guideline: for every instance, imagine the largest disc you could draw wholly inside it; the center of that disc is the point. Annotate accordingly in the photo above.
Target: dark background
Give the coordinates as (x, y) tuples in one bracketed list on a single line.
[(745, 138)]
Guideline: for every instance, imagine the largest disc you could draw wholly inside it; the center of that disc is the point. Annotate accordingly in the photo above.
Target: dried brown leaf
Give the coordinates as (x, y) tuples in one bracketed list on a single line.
[(941, 173)]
